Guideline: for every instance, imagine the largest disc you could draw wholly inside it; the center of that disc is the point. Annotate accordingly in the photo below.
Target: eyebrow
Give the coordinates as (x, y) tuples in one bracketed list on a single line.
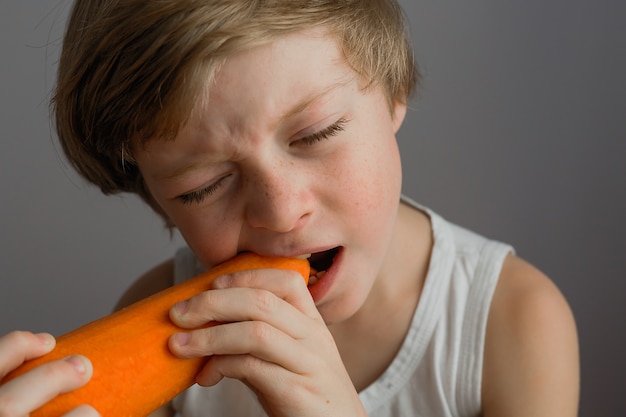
[(306, 103), (180, 170), (295, 110)]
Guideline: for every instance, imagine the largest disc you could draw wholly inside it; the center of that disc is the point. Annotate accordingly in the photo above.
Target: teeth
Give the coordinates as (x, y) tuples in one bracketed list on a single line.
[(307, 256), (313, 279)]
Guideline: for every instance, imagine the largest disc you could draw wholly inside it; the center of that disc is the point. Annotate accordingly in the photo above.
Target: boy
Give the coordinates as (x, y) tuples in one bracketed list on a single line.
[(269, 126)]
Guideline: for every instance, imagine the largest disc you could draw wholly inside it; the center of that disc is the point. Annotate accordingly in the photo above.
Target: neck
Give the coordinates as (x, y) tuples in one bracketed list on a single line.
[(370, 339)]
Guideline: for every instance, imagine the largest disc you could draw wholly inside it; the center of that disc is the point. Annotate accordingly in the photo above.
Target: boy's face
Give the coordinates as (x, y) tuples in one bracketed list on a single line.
[(287, 156)]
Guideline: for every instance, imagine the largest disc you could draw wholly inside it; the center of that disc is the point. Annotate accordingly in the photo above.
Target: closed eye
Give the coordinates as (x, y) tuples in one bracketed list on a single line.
[(198, 196), (325, 133)]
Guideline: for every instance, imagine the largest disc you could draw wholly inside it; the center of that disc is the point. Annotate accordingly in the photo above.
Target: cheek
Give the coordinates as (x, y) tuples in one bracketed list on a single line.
[(209, 235), (375, 179)]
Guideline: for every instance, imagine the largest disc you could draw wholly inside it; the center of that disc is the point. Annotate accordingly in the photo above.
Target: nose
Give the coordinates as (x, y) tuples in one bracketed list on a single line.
[(279, 200)]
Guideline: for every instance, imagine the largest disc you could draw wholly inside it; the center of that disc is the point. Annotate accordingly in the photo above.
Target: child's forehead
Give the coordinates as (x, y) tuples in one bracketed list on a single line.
[(293, 54), (294, 70)]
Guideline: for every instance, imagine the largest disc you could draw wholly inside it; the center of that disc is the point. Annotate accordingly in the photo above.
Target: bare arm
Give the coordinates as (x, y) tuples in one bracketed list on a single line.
[(153, 281), (531, 363)]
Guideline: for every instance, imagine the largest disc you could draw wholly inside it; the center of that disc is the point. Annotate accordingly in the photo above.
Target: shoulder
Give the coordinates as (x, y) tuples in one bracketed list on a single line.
[(153, 281), (531, 364)]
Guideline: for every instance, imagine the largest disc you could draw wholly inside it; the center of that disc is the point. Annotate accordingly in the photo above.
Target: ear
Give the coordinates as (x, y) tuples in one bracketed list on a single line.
[(399, 111)]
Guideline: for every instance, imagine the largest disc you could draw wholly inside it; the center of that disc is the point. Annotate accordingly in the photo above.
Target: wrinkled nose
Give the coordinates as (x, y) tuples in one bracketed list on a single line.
[(278, 200)]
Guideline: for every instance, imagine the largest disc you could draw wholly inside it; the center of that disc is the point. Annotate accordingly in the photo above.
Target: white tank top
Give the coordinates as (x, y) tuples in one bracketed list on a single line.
[(438, 370)]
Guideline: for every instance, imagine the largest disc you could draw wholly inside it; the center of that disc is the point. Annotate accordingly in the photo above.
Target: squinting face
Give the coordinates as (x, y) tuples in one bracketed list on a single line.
[(288, 156)]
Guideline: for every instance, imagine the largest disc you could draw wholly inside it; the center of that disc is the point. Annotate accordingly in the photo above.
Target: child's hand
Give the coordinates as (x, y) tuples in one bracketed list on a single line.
[(273, 339), (28, 392)]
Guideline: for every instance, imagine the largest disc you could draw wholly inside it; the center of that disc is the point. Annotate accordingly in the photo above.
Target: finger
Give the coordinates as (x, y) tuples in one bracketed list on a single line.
[(287, 392), (255, 338), (206, 307), (255, 372), (83, 411), (18, 347), (272, 383), (245, 304), (275, 388), (32, 390), (287, 285)]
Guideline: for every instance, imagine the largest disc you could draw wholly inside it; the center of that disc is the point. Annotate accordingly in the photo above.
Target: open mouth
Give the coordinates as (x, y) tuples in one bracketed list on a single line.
[(320, 262)]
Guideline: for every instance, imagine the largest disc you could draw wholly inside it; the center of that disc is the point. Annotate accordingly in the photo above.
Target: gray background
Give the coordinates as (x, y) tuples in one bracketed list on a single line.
[(519, 134)]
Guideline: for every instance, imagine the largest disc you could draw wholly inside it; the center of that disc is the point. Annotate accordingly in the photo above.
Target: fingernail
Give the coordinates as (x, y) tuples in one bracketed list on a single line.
[(223, 281), (46, 339), (181, 339), (182, 307), (77, 362)]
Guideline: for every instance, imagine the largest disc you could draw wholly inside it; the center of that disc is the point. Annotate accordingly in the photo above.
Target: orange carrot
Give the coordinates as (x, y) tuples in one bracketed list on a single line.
[(134, 372)]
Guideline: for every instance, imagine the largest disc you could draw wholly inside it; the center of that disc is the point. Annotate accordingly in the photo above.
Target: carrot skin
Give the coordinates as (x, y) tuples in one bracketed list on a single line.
[(134, 372)]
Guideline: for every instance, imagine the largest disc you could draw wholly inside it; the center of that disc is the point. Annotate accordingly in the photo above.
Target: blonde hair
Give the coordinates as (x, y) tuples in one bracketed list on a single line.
[(132, 70)]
